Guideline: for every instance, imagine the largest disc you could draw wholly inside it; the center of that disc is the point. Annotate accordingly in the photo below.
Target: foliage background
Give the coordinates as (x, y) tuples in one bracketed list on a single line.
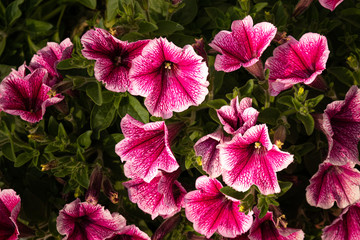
[(71, 142)]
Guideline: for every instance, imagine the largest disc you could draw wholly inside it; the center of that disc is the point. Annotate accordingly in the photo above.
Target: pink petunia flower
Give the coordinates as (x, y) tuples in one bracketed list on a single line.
[(298, 62), (49, 56), (130, 232), (206, 147), (113, 57), (146, 148), (265, 229), (346, 226), (162, 196), (238, 117), (252, 159), (171, 78), (81, 220), (330, 4), (243, 46), (334, 183), (211, 211), (341, 125), (9, 211), (27, 97)]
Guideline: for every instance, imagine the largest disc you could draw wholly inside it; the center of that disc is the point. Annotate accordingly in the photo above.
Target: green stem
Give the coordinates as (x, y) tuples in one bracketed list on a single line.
[(289, 112)]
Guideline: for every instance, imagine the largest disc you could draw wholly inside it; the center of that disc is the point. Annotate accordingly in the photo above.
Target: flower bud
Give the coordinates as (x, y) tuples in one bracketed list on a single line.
[(110, 192), (93, 192)]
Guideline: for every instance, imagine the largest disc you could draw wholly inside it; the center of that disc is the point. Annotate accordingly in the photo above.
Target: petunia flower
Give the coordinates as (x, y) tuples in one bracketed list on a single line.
[(211, 211), (171, 78), (334, 183), (346, 226), (265, 229), (243, 46), (330, 4), (146, 148), (298, 62), (206, 147), (27, 97), (162, 196), (9, 211), (341, 125), (81, 220), (238, 117), (130, 232), (252, 159), (113, 57), (49, 56)]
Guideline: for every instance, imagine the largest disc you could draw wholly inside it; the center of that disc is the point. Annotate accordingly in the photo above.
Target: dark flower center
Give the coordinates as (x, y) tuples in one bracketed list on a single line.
[(117, 60)]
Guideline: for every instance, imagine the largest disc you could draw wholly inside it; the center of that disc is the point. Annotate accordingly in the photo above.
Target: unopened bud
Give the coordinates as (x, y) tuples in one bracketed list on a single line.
[(110, 192), (93, 192), (199, 48), (280, 37), (280, 135), (301, 7)]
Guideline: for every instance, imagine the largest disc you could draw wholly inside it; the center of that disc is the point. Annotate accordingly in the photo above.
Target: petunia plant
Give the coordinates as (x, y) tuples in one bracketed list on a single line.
[(187, 119)]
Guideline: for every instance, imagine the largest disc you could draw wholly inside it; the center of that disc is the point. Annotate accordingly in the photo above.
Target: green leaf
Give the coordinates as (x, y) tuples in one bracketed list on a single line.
[(53, 126), (24, 158), (146, 27), (308, 122), (62, 132), (286, 100), (343, 74), (81, 176), (258, 7), (112, 6), (84, 140), (132, 36), (187, 14), (13, 12), (2, 42), (101, 117), (313, 102), (88, 3), (285, 186), (269, 115), (5, 70), (8, 151), (213, 115), (72, 63), (233, 193), (167, 27), (262, 205), (216, 103), (281, 15), (93, 90), (352, 15), (134, 108), (33, 25), (214, 13), (247, 89)]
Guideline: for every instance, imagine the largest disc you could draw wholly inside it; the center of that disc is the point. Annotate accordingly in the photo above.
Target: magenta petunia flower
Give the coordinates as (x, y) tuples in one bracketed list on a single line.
[(330, 4), (130, 232), (146, 148), (171, 78), (265, 229), (49, 56), (162, 196), (252, 159), (346, 226), (243, 46), (297, 62), (9, 211), (27, 97), (81, 220), (334, 183), (341, 125), (238, 117), (206, 147), (113, 57), (211, 211)]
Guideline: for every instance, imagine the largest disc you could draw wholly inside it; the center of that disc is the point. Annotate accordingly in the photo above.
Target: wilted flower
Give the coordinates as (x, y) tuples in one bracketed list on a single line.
[(171, 78), (82, 220), (211, 211), (238, 117), (243, 46), (146, 148), (163, 195), (49, 56), (298, 62), (341, 125), (9, 211), (207, 148), (130, 232), (252, 159), (346, 226), (334, 183), (93, 192), (113, 57), (330, 4), (265, 229), (27, 97)]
